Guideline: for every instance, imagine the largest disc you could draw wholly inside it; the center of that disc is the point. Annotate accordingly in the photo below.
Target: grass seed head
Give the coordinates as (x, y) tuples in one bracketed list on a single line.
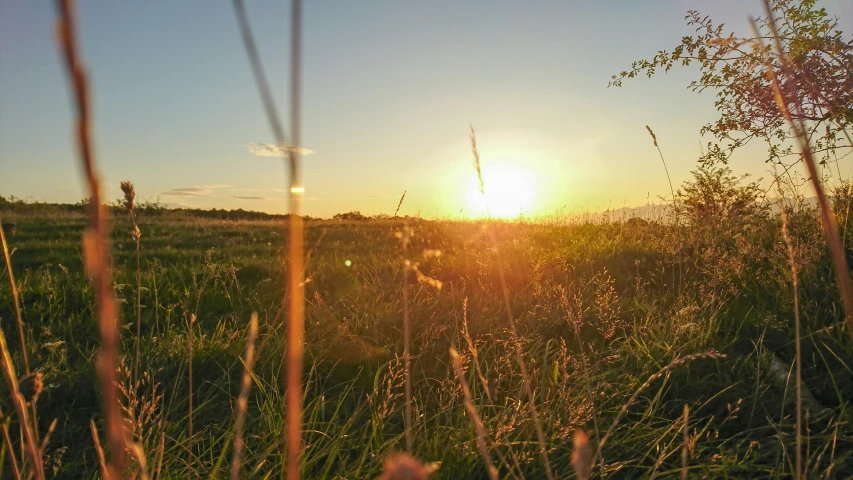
[(129, 194), (582, 455), (403, 467), (31, 386)]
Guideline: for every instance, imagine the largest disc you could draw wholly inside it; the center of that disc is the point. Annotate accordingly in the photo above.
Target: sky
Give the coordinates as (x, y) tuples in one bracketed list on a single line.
[(390, 89)]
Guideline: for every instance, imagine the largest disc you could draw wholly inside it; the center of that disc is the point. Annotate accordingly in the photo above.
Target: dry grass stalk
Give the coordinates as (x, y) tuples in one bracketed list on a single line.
[(95, 246), (296, 324), (14, 289), (138, 454), (663, 371), (47, 435), (7, 440), (243, 399), (685, 444), (31, 446), (129, 197), (830, 228), (479, 428), (296, 270), (668, 178), (400, 204), (582, 455), (102, 461), (531, 399), (161, 449), (675, 208)]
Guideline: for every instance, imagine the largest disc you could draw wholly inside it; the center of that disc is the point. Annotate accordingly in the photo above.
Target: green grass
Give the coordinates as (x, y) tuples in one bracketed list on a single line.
[(731, 294)]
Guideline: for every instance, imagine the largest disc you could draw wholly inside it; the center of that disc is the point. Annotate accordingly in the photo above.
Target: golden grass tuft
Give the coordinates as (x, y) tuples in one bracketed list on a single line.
[(404, 467), (581, 455)]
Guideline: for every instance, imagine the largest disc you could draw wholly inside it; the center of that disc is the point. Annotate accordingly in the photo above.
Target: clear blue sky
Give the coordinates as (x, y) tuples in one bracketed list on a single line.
[(390, 87)]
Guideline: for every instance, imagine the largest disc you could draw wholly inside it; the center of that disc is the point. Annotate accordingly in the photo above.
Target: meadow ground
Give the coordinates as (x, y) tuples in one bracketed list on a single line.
[(600, 307)]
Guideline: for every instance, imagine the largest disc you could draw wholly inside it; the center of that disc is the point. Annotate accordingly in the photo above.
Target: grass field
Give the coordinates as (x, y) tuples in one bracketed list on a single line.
[(600, 307)]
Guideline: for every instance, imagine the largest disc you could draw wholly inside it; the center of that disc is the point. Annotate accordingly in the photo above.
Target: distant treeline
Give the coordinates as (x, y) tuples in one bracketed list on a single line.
[(149, 208)]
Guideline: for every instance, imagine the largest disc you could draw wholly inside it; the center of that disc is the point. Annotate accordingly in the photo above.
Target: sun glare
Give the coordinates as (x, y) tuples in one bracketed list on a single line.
[(510, 192)]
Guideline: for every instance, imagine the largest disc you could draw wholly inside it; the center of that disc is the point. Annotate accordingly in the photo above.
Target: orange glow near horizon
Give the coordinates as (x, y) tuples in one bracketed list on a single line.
[(510, 192)]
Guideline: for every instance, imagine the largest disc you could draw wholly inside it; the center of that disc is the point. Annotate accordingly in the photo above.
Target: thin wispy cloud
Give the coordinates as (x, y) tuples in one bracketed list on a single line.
[(272, 150), (246, 197), (194, 191)]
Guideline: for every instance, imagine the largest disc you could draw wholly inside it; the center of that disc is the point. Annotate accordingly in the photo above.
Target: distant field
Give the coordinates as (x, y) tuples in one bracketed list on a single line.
[(640, 294)]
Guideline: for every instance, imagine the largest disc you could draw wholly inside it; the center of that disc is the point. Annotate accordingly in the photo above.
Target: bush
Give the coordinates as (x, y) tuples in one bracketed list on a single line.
[(716, 198)]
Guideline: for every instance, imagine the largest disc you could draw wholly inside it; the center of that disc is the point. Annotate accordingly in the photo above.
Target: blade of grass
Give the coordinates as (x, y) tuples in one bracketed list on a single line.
[(31, 447), (14, 289), (102, 461), (7, 440), (242, 400)]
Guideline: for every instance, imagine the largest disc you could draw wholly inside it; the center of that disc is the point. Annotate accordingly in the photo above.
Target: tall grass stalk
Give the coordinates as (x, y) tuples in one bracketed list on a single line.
[(13, 288), (675, 208), (30, 444), (95, 245), (531, 399), (138, 454), (7, 440), (798, 371), (400, 204), (243, 399), (296, 324), (102, 460), (296, 271), (129, 197), (480, 429), (161, 449), (784, 97)]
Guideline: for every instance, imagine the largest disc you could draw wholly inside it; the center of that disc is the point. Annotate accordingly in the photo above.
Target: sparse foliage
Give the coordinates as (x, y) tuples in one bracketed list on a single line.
[(734, 68)]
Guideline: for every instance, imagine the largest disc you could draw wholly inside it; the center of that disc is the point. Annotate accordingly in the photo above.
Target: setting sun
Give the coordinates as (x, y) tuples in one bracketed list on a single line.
[(510, 191)]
